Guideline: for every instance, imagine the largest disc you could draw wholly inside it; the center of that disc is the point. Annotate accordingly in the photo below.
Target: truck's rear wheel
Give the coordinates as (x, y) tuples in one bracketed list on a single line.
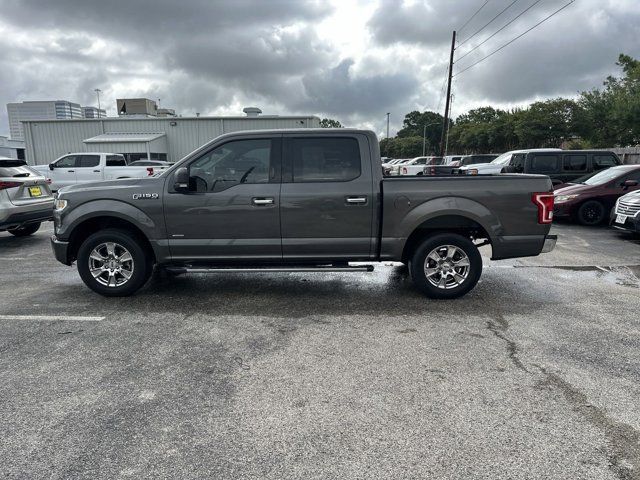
[(445, 265), (112, 263)]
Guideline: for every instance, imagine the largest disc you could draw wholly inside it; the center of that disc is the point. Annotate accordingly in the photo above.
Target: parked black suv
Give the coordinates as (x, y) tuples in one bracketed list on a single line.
[(562, 166)]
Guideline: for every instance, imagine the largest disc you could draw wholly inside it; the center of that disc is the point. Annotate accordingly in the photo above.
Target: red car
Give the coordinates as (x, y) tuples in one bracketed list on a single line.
[(590, 199)]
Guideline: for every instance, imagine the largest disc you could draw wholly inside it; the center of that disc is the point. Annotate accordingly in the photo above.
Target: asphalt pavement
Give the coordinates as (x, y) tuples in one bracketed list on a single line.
[(534, 374)]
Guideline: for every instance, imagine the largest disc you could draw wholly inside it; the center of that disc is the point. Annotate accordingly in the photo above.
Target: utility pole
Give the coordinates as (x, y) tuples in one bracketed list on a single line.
[(98, 92), (424, 138), (388, 114), (443, 148)]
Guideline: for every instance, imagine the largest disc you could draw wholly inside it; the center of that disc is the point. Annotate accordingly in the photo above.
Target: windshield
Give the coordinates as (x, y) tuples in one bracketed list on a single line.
[(604, 176), (502, 159)]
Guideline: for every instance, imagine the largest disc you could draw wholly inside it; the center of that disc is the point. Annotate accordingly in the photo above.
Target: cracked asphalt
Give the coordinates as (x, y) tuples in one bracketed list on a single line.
[(535, 374)]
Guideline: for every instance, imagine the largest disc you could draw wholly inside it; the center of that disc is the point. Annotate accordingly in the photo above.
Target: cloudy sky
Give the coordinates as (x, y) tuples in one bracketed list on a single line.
[(346, 59)]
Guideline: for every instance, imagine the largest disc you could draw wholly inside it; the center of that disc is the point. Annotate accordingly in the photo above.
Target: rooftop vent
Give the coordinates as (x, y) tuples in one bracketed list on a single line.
[(252, 111)]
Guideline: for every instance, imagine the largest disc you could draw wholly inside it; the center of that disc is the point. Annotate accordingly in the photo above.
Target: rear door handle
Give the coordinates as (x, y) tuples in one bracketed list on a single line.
[(70, 171), (357, 200), (262, 200), (96, 171)]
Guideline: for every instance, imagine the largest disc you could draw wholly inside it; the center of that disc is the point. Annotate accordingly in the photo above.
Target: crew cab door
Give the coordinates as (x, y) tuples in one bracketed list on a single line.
[(232, 208), (64, 171), (326, 197)]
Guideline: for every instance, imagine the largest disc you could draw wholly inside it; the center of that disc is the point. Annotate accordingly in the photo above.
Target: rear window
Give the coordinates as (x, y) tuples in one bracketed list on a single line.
[(116, 161), (605, 160), (544, 163), (325, 159), (574, 163), (18, 171)]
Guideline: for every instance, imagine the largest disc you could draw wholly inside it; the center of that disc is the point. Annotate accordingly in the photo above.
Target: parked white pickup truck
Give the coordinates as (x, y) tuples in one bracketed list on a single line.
[(92, 167)]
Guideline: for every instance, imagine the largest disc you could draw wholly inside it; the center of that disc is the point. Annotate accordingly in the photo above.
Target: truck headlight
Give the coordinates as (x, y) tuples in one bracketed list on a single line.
[(59, 205), (564, 198)]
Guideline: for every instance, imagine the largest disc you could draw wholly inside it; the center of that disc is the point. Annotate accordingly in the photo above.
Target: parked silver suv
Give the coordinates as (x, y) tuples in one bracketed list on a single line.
[(25, 198)]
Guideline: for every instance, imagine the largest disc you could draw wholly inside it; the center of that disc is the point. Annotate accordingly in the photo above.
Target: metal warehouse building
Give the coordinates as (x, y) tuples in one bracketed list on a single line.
[(169, 138)]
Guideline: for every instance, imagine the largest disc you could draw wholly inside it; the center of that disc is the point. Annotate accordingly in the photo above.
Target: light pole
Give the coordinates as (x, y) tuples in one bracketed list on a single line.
[(424, 135), (388, 114), (98, 92)]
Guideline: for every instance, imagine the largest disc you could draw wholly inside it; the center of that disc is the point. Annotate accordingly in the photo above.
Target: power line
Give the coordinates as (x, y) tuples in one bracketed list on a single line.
[(488, 23), (513, 40), (473, 16), (498, 31)]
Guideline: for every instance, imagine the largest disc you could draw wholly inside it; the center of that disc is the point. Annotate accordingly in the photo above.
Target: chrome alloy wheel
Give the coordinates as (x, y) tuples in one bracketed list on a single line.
[(111, 264), (447, 266)]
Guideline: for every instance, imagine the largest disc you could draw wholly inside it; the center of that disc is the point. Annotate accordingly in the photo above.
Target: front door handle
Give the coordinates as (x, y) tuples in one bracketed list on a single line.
[(70, 171), (357, 200), (262, 200), (96, 171)]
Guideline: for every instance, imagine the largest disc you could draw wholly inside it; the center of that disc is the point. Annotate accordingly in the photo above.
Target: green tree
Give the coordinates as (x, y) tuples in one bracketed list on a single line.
[(414, 126), (330, 123)]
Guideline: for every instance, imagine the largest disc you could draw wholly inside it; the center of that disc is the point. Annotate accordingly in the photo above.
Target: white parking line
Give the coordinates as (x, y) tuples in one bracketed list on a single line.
[(51, 318)]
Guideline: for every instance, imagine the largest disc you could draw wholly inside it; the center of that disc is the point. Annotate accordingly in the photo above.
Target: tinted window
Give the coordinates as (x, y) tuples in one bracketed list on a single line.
[(420, 161), (574, 163), (116, 161), (88, 161), (517, 162), (241, 161), (18, 171), (604, 161), (325, 159), (544, 163), (66, 162), (635, 175)]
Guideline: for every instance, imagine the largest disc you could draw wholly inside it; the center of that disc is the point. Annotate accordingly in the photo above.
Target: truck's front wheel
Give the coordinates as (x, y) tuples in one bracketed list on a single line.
[(112, 263), (445, 265)]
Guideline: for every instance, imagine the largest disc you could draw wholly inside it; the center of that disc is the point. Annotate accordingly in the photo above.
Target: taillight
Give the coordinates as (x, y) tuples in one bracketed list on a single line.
[(544, 201), (4, 185), (150, 171), (404, 170), (48, 181)]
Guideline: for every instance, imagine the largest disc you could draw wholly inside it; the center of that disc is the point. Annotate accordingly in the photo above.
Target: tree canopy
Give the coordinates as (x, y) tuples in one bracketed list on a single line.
[(604, 117)]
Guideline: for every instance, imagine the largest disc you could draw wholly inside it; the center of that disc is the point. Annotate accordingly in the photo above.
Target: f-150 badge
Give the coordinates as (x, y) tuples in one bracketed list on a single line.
[(139, 196)]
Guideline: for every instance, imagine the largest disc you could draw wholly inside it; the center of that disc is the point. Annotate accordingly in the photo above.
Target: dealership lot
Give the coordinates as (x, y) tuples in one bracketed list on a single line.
[(534, 374)]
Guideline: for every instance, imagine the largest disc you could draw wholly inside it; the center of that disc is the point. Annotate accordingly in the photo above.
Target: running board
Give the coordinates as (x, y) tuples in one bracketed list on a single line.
[(181, 270)]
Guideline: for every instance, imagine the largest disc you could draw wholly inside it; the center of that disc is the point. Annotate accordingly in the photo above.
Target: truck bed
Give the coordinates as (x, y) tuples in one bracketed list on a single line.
[(499, 205)]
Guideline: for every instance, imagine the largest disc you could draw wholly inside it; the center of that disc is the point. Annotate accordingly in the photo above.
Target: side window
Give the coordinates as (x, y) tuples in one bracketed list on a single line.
[(544, 163), (603, 161), (235, 162), (325, 159), (517, 162), (116, 161), (88, 161), (574, 163), (635, 175), (421, 161), (66, 162)]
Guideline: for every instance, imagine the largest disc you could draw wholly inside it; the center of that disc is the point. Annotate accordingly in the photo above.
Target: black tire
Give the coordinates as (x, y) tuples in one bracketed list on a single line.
[(141, 265), (591, 213), (26, 230), (438, 243)]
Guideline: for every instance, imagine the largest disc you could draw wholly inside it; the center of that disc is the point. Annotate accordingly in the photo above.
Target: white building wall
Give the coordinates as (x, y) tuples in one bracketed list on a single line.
[(48, 140)]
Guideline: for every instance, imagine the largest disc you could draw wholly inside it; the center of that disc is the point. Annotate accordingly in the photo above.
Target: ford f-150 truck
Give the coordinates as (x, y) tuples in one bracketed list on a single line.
[(92, 167), (297, 200)]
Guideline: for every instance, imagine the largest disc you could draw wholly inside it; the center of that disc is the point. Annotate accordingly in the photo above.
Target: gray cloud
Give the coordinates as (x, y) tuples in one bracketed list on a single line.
[(217, 56)]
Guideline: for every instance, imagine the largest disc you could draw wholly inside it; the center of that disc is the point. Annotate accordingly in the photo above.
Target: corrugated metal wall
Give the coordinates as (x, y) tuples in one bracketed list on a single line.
[(47, 140)]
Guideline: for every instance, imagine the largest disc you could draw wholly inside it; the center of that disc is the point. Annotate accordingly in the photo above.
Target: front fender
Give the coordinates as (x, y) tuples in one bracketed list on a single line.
[(68, 221)]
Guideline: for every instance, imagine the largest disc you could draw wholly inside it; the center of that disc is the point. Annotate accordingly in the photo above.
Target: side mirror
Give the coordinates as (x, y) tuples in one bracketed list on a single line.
[(630, 183), (52, 166), (181, 180)]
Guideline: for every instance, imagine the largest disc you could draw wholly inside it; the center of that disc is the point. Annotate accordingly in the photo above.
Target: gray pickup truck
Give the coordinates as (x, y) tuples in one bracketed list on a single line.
[(297, 200)]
